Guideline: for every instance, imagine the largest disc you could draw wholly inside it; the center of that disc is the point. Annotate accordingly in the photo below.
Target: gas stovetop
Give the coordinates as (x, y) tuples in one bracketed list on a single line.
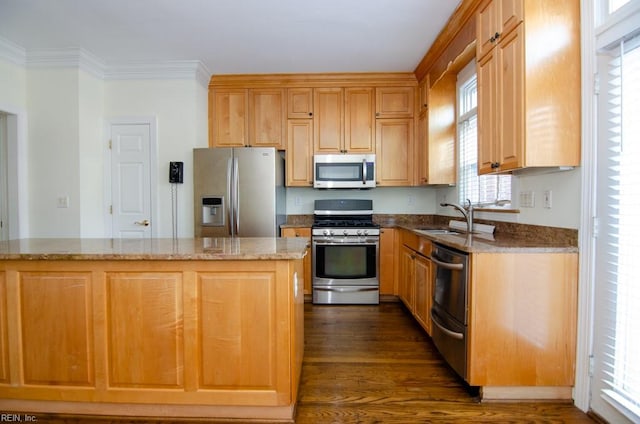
[(344, 217)]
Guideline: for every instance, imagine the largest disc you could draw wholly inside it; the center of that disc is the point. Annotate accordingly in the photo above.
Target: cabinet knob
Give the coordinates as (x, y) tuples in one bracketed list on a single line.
[(310, 113), (377, 113), (495, 165)]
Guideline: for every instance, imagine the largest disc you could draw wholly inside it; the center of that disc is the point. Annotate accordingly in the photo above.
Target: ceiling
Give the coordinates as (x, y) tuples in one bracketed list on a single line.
[(235, 36)]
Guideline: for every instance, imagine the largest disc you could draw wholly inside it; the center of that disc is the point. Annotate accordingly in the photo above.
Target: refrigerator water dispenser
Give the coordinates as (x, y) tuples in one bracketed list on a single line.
[(213, 211)]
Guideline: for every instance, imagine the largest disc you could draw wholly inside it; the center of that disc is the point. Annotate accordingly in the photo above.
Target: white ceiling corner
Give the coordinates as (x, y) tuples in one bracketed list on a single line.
[(194, 38)]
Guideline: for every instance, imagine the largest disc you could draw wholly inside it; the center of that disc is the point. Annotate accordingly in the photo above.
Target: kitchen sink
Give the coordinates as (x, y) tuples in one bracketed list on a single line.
[(437, 231)]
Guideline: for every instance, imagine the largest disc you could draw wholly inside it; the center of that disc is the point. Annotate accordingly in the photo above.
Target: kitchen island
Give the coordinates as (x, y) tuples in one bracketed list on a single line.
[(209, 327)]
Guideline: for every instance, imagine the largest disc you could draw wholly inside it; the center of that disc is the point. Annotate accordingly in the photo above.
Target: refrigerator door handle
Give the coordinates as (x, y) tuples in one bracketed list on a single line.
[(236, 198), (229, 205)]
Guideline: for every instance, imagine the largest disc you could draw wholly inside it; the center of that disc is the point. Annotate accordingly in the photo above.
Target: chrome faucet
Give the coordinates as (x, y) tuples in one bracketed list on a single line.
[(466, 211)]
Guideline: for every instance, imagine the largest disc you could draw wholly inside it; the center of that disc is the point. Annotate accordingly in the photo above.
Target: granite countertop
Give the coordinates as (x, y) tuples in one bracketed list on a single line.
[(508, 237), (222, 248), (496, 243)]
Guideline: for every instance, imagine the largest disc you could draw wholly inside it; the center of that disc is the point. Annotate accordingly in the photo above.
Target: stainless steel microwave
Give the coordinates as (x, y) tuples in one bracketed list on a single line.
[(344, 171)]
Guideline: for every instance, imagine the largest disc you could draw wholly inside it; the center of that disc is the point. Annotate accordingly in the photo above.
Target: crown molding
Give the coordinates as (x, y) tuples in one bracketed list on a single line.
[(78, 58), (12, 52), (72, 57), (185, 69)]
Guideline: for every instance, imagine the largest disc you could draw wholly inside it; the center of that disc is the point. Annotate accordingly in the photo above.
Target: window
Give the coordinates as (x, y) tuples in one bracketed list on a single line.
[(485, 190), (616, 379)]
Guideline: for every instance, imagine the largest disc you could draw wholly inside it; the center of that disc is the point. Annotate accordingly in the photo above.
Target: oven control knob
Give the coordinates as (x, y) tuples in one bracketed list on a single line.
[(366, 232), (345, 232), (359, 232), (331, 233), (325, 233)]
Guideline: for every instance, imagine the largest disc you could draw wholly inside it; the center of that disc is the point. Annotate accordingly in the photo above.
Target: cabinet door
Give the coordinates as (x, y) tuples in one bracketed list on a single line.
[(510, 97), (228, 120), (299, 103), (394, 150), (395, 102), (423, 292), (423, 94), (387, 261), (359, 116), (486, 26), (494, 20), (300, 152), (328, 104), (488, 123), (4, 332), (422, 149), (267, 118), (406, 283), (442, 131)]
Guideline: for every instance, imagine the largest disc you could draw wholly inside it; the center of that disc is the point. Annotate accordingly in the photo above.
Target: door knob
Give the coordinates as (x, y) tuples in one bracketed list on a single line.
[(144, 223)]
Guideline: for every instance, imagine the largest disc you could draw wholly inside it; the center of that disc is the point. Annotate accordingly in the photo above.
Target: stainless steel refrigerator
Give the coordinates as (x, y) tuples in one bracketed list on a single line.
[(238, 192)]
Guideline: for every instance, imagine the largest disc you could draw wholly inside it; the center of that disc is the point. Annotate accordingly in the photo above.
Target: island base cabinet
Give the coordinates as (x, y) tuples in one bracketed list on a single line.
[(216, 339), (523, 319)]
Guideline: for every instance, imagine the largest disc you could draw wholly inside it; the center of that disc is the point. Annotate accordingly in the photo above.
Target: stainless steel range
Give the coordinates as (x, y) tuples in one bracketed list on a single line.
[(345, 251)]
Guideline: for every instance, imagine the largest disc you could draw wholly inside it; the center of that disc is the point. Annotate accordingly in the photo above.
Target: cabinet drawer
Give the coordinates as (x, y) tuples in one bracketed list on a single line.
[(415, 242)]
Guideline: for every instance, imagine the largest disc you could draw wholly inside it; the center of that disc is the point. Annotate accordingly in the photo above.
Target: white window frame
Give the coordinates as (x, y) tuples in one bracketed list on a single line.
[(462, 116), (610, 28)]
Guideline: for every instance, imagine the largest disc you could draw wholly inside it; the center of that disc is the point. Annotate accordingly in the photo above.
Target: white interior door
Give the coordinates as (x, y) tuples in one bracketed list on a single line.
[(131, 181)]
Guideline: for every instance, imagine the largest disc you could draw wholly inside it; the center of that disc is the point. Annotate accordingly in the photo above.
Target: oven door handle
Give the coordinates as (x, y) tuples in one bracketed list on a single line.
[(452, 334), (445, 265), (367, 242), (346, 289)]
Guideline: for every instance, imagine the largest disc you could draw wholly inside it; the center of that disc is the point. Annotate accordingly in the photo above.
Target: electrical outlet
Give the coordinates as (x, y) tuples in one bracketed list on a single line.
[(63, 202), (411, 199), (527, 199)]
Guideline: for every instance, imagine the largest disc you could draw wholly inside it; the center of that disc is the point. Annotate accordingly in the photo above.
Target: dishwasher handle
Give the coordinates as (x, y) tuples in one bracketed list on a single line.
[(452, 334), (446, 265)]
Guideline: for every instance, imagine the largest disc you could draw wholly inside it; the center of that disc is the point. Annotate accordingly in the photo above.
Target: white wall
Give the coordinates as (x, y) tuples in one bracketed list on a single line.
[(565, 207), (53, 108), (180, 107), (91, 153)]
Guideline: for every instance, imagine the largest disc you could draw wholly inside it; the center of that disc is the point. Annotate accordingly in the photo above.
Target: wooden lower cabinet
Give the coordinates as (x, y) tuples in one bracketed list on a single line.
[(306, 233), (522, 321), (415, 286), (200, 338), (387, 265), (4, 336)]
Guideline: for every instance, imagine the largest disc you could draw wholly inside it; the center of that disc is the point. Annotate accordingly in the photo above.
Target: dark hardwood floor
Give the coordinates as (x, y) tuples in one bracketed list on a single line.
[(374, 364)]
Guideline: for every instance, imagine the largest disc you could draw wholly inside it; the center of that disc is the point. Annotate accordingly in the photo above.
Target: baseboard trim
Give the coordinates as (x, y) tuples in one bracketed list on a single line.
[(525, 393)]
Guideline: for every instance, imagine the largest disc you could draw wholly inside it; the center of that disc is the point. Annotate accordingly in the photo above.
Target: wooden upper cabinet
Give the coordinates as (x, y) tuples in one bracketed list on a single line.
[(395, 102), (300, 103), (300, 152), (267, 122), (423, 94), (395, 150), (495, 19), (359, 129), (328, 106), (441, 157), (528, 94), (228, 124)]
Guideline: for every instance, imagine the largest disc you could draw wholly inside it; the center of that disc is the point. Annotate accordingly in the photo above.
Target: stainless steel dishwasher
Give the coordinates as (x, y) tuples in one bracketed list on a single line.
[(449, 312)]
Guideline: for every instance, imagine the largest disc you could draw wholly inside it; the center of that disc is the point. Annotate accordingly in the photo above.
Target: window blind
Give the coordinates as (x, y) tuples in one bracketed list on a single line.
[(617, 288)]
